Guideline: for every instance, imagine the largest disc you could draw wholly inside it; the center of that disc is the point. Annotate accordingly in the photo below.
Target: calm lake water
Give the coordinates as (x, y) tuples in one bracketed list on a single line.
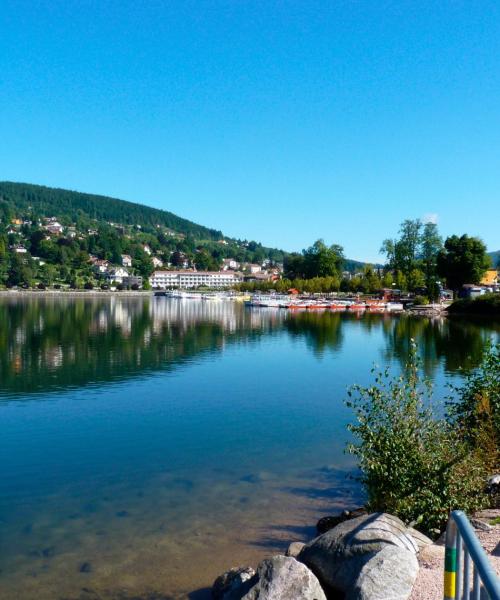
[(147, 445)]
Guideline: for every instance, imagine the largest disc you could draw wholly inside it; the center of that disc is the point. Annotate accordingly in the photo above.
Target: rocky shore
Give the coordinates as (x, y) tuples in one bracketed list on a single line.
[(355, 557)]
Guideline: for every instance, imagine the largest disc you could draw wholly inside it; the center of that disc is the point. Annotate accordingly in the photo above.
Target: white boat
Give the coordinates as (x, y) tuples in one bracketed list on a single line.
[(394, 306), (268, 301)]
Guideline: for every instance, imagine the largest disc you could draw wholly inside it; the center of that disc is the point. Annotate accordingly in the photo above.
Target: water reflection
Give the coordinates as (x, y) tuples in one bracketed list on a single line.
[(49, 344)]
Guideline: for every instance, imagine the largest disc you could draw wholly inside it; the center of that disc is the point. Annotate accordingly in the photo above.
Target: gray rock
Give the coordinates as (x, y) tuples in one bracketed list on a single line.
[(337, 557), (419, 538), (233, 584), (294, 549), (284, 578), (480, 525), (390, 573)]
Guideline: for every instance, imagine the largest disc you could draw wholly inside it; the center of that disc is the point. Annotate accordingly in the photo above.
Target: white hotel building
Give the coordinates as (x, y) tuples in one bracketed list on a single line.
[(190, 279)]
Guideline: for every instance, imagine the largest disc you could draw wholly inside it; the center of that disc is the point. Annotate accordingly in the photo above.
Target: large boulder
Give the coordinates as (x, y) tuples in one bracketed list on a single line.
[(338, 556), (419, 538), (390, 573), (284, 578)]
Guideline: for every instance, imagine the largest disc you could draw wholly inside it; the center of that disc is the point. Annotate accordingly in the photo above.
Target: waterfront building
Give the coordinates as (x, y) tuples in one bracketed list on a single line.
[(192, 279)]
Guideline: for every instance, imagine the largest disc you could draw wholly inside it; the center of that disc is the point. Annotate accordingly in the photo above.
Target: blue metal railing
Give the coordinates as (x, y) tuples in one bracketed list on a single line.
[(462, 549)]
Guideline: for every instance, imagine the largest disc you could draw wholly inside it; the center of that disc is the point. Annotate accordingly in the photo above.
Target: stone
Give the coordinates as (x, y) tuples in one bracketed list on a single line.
[(233, 584), (337, 556), (85, 567), (327, 523), (294, 549), (480, 525), (390, 573), (419, 538), (284, 578)]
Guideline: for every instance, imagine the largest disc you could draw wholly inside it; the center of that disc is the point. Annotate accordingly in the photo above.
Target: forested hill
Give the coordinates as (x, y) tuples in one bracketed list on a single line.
[(495, 258), (66, 204)]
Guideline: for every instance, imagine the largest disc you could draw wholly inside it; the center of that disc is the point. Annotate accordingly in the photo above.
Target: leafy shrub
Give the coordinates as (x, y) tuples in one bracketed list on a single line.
[(413, 463), (474, 408), (420, 300), (488, 304)]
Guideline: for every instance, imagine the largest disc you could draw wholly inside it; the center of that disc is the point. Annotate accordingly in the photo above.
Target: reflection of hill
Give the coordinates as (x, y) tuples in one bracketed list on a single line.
[(50, 344)]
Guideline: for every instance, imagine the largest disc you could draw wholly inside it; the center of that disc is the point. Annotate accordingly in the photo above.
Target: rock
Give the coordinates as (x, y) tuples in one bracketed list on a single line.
[(327, 523), (390, 573), (419, 538), (294, 549), (233, 584), (85, 567), (494, 484), (284, 578), (480, 525), (337, 557)]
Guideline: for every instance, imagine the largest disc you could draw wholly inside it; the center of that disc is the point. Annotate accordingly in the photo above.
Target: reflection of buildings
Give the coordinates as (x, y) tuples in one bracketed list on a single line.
[(50, 343)]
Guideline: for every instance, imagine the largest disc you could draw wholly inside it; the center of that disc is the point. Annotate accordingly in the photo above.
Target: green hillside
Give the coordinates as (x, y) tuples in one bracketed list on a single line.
[(68, 204), (52, 236), (495, 258)]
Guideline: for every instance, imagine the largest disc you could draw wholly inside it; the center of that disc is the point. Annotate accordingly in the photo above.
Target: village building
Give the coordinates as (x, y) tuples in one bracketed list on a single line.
[(229, 264), (126, 260), (157, 262), (192, 279), (117, 275)]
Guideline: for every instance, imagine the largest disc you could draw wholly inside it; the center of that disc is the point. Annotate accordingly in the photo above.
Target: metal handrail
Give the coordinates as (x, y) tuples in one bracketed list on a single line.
[(457, 581)]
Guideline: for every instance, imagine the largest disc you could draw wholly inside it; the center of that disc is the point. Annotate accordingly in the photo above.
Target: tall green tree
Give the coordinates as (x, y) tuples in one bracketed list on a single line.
[(321, 260), (431, 245), (403, 253), (462, 260)]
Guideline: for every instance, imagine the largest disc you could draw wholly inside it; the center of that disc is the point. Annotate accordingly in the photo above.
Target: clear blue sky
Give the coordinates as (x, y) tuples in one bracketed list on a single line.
[(278, 121)]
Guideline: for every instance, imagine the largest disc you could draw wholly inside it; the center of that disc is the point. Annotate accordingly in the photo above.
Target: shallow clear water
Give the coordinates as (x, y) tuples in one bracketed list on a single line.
[(147, 445)]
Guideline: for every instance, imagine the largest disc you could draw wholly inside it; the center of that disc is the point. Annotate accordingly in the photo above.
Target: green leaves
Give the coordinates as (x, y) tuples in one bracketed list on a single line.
[(413, 463)]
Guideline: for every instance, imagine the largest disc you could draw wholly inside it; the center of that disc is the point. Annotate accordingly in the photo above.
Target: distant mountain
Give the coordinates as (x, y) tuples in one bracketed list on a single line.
[(495, 258)]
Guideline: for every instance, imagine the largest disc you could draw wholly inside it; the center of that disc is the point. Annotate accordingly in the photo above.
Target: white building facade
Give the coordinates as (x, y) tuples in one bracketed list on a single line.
[(192, 279)]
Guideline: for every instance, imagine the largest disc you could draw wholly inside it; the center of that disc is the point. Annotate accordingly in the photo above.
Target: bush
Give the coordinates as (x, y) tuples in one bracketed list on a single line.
[(88, 286), (413, 464), (474, 408), (488, 304), (420, 300)]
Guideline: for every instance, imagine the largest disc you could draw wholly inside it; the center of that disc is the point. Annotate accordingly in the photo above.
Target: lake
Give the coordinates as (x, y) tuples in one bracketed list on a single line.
[(149, 444)]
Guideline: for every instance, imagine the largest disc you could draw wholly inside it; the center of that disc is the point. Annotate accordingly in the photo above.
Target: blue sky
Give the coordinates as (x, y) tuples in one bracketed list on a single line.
[(277, 121)]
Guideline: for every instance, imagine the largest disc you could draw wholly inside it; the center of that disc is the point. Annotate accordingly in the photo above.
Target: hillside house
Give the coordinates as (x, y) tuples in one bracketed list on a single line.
[(101, 266), (157, 262), (229, 264), (117, 274), (126, 260)]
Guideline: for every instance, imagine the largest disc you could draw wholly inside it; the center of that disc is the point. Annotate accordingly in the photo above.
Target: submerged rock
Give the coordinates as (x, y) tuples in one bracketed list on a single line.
[(338, 556), (85, 567)]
